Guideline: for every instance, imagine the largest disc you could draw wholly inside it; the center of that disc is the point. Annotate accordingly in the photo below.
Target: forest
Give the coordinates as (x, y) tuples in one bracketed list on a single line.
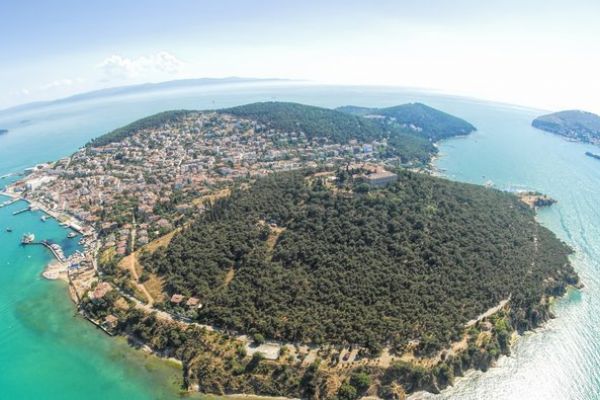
[(425, 121), (296, 257)]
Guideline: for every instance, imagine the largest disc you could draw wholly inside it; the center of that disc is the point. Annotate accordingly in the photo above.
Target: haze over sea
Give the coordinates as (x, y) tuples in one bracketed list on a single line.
[(47, 353)]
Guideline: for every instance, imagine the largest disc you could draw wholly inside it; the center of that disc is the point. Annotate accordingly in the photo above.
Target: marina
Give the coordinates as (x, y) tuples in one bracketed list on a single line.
[(55, 249)]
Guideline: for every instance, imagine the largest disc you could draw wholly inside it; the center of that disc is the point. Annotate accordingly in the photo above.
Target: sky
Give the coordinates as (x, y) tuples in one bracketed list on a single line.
[(539, 53)]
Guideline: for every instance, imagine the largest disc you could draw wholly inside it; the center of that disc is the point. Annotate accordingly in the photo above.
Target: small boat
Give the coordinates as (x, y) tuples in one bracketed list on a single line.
[(44, 218), (82, 242), (9, 230), (71, 235), (28, 238)]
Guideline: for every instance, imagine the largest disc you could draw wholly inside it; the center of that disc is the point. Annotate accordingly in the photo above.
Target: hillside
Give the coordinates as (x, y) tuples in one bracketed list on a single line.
[(404, 140), (416, 117), (153, 121), (293, 259), (336, 126), (574, 124)]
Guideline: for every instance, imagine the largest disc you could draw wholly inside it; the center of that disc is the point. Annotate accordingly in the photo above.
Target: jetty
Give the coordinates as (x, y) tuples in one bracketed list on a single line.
[(54, 248), (22, 211), (8, 203)]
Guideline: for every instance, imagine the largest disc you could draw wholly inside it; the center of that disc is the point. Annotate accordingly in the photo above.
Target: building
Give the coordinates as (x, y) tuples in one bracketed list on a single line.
[(176, 298), (381, 178), (110, 322), (193, 302), (100, 291)]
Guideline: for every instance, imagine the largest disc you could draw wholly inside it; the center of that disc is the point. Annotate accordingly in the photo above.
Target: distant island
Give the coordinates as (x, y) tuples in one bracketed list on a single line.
[(593, 155), (285, 250), (575, 125), (3, 131)]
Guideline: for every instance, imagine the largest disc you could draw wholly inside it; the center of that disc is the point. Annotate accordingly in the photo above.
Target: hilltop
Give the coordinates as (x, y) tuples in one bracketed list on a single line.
[(366, 267), (574, 124), (422, 269), (416, 117)]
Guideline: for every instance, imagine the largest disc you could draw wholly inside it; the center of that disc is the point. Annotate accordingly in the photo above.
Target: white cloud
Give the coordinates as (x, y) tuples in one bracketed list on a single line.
[(120, 67)]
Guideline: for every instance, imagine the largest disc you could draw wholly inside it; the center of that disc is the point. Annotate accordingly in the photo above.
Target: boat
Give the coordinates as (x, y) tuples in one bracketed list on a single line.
[(44, 218), (593, 155), (71, 235), (8, 229), (82, 242), (28, 238)]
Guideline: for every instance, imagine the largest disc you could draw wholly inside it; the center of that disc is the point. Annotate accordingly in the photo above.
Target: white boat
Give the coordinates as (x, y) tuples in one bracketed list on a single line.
[(71, 235), (28, 238), (44, 218)]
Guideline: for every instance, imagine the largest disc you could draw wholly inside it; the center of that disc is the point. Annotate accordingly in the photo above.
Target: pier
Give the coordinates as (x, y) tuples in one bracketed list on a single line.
[(57, 253), (8, 203), (22, 211)]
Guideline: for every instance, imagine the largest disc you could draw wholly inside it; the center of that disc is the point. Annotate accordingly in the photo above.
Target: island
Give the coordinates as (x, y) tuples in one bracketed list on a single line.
[(575, 125), (3, 131), (288, 250)]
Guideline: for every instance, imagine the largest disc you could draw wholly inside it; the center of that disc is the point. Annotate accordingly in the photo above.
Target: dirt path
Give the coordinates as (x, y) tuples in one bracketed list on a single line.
[(132, 261), (488, 313)]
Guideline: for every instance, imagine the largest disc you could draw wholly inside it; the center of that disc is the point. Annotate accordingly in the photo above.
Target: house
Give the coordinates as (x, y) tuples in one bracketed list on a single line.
[(110, 322), (100, 291), (193, 302), (176, 298)]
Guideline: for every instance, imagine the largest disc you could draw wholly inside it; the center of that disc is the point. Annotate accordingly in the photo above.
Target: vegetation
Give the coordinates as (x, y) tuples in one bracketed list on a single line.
[(313, 121), (578, 125), (417, 117), (415, 260), (152, 121), (338, 127)]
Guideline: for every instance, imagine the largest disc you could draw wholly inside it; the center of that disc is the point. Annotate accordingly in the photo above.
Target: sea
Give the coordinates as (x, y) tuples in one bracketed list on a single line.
[(48, 352)]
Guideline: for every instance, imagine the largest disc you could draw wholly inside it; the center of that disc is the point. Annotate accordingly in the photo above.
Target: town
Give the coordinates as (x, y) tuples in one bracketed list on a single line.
[(143, 185)]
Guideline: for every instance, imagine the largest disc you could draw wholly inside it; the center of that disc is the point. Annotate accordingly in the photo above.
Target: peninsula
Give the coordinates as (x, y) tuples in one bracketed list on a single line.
[(416, 117), (575, 125), (287, 250)]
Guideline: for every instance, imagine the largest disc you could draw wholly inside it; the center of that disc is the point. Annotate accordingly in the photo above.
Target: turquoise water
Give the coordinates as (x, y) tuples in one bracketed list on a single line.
[(48, 353)]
